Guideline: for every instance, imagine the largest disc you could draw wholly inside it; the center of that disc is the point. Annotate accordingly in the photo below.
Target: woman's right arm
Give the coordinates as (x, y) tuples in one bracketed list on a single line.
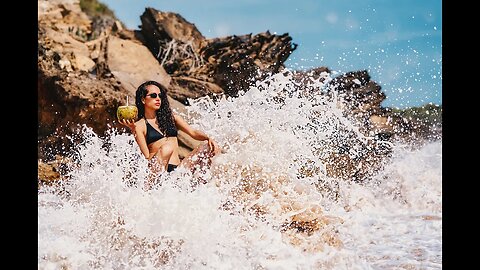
[(138, 130), (140, 135)]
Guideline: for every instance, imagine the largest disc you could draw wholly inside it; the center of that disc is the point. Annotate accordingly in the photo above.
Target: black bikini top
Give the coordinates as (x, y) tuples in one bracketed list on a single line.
[(154, 135)]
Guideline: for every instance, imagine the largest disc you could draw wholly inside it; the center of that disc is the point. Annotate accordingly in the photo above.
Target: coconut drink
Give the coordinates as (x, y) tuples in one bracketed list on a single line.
[(127, 112)]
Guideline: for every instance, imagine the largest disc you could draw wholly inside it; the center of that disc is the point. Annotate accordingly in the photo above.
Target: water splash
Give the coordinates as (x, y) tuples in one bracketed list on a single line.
[(271, 201)]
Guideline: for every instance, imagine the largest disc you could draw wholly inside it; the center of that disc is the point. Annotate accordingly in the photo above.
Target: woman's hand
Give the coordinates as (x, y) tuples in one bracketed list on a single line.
[(128, 123), (212, 145)]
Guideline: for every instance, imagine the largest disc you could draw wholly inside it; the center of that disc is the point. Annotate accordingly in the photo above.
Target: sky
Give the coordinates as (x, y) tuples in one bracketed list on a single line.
[(399, 43)]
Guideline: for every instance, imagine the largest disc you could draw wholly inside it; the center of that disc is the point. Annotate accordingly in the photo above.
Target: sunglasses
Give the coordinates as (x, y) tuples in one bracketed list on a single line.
[(153, 95)]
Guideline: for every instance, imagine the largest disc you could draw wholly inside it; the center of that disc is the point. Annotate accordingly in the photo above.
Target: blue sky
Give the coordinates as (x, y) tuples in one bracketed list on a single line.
[(398, 42)]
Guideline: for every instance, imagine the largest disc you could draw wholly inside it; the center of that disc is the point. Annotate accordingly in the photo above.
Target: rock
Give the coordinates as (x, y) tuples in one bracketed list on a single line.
[(132, 64), (231, 63), (162, 27)]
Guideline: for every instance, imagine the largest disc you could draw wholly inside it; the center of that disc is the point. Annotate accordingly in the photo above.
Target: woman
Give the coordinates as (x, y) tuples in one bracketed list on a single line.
[(155, 132)]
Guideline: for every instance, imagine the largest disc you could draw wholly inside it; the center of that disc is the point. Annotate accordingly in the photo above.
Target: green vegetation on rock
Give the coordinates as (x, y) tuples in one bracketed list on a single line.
[(429, 114), (95, 8)]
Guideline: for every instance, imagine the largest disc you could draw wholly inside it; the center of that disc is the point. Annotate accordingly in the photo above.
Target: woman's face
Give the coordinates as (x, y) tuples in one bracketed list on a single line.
[(152, 99)]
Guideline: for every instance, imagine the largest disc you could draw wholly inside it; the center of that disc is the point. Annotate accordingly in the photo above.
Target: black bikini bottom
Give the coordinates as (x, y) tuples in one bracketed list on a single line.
[(171, 167)]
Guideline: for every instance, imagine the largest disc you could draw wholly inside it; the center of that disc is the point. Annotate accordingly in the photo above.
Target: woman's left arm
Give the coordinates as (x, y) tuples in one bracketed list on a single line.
[(194, 133)]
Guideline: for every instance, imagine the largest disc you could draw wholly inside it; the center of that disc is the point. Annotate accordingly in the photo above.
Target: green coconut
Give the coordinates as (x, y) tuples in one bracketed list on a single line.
[(127, 112)]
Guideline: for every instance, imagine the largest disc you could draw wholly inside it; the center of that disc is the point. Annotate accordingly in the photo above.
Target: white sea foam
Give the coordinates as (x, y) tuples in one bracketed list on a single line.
[(268, 203)]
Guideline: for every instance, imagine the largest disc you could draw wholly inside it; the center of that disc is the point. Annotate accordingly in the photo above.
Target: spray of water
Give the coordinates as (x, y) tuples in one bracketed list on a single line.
[(273, 199)]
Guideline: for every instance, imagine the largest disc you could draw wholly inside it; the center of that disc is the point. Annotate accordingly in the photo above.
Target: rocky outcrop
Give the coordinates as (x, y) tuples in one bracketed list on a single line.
[(235, 62), (230, 63), (69, 93), (160, 28), (360, 99), (83, 80)]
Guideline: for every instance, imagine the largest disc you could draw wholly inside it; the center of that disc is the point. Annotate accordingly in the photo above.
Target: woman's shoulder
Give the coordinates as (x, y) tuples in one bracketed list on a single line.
[(140, 123), (177, 117)]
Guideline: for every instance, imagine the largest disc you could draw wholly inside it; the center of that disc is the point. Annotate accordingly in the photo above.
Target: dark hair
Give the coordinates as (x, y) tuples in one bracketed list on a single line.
[(165, 118)]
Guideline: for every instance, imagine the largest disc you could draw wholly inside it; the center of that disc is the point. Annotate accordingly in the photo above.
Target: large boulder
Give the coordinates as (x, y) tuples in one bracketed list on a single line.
[(132, 64)]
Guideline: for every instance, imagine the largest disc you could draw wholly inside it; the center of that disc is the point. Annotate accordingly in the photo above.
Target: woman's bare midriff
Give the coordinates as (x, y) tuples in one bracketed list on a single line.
[(166, 149)]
